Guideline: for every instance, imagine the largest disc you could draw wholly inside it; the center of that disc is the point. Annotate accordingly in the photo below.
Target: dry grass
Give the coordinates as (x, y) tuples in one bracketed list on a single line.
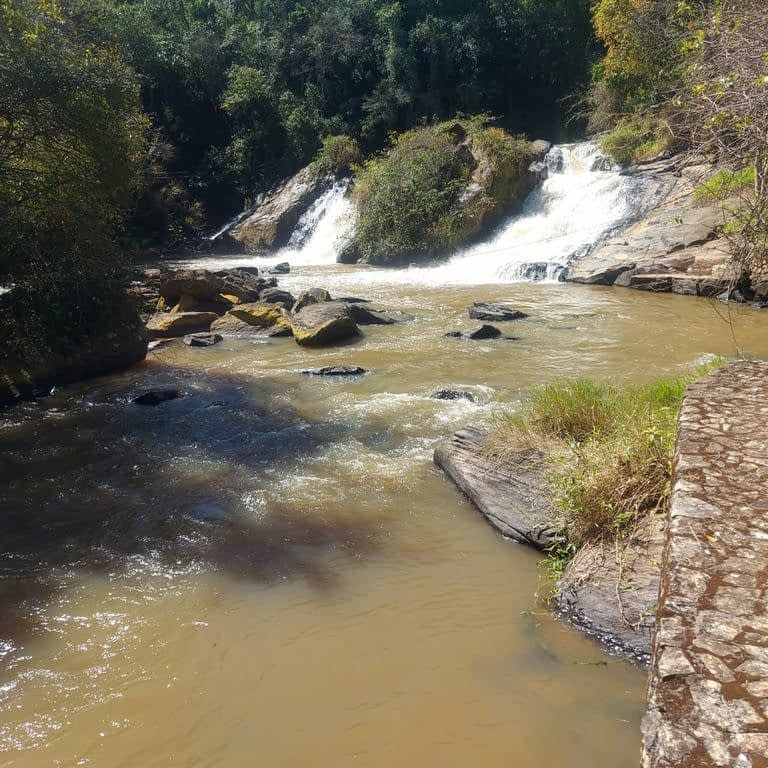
[(609, 450)]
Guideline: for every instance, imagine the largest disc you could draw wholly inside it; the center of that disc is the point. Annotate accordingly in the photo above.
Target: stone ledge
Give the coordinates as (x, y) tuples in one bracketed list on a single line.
[(707, 704)]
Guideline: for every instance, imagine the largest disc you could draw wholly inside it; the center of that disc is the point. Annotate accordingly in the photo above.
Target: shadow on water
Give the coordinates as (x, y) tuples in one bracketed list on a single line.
[(89, 481)]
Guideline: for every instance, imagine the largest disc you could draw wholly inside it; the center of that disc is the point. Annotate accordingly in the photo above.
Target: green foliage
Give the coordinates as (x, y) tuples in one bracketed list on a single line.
[(405, 196), (609, 451), (338, 154), (726, 184), (244, 92), (634, 139), (408, 197), (71, 145)]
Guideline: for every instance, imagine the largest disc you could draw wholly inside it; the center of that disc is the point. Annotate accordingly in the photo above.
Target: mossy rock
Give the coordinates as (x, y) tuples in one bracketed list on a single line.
[(438, 188), (260, 314), (325, 323), (169, 325)]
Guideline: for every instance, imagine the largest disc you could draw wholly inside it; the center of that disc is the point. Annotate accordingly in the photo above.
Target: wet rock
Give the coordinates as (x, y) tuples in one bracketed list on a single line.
[(453, 394), (602, 163), (540, 171), (555, 160), (166, 325), (157, 396), (191, 304), (260, 314), (353, 300), (272, 220), (202, 339), (365, 316), (196, 283), (326, 323), (513, 497), (312, 296), (476, 334), (602, 574), (242, 286), (349, 254), (283, 268), (495, 313), (278, 296), (336, 370)]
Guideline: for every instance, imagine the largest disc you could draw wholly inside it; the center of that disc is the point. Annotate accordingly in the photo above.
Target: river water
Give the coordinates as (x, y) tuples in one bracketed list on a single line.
[(270, 571)]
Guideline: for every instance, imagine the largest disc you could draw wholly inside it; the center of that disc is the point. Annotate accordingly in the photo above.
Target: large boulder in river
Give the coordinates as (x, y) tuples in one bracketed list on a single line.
[(326, 323), (195, 283), (274, 217), (494, 313), (437, 188), (164, 325), (260, 314)]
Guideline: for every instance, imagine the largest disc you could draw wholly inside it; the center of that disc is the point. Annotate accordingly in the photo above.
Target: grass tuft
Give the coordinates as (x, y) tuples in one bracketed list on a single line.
[(609, 451)]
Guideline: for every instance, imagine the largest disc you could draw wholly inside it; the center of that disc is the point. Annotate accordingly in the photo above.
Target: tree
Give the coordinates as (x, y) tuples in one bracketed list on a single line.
[(71, 143)]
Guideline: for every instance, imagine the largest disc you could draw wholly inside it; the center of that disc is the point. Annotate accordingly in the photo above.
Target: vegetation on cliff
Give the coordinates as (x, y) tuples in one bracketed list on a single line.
[(71, 147), (436, 187), (692, 77)]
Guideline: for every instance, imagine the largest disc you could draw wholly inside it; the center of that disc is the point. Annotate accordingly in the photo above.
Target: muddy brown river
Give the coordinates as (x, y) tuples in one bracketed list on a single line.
[(270, 571)]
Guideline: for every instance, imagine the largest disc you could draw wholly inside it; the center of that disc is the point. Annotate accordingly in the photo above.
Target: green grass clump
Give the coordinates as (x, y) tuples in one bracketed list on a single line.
[(633, 140), (725, 184), (409, 198), (609, 451)]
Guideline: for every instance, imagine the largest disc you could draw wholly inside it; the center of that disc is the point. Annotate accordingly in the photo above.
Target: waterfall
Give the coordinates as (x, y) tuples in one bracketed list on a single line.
[(323, 230), (583, 199)]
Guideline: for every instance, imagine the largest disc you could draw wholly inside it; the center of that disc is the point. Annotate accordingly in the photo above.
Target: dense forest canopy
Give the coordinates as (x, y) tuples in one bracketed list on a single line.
[(145, 122)]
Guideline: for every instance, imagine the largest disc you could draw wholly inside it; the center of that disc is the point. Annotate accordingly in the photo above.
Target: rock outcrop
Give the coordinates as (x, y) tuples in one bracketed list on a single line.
[(512, 496), (113, 348), (271, 221), (675, 247), (608, 591), (494, 313)]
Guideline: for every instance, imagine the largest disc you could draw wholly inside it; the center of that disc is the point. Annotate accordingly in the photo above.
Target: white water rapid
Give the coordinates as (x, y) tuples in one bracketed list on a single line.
[(579, 203)]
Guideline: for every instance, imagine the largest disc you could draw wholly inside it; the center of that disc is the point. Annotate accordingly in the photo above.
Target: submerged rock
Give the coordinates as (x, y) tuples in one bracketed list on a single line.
[(453, 394), (202, 339), (336, 370), (477, 334), (283, 268), (157, 396), (166, 325), (325, 323), (482, 310)]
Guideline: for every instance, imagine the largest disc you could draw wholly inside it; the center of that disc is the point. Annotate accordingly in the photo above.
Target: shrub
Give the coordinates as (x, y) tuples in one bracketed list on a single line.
[(409, 198), (338, 154), (726, 184), (633, 140)]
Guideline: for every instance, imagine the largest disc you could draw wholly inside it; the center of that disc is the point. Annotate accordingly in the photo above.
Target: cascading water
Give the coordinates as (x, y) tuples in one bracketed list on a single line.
[(581, 201)]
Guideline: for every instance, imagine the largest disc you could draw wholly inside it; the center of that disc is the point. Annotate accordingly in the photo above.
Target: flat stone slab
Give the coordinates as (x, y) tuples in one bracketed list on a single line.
[(708, 689), (511, 496)]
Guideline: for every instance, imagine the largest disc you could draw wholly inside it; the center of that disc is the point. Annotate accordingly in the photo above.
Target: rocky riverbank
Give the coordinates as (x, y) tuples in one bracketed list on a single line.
[(674, 245), (608, 590)]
